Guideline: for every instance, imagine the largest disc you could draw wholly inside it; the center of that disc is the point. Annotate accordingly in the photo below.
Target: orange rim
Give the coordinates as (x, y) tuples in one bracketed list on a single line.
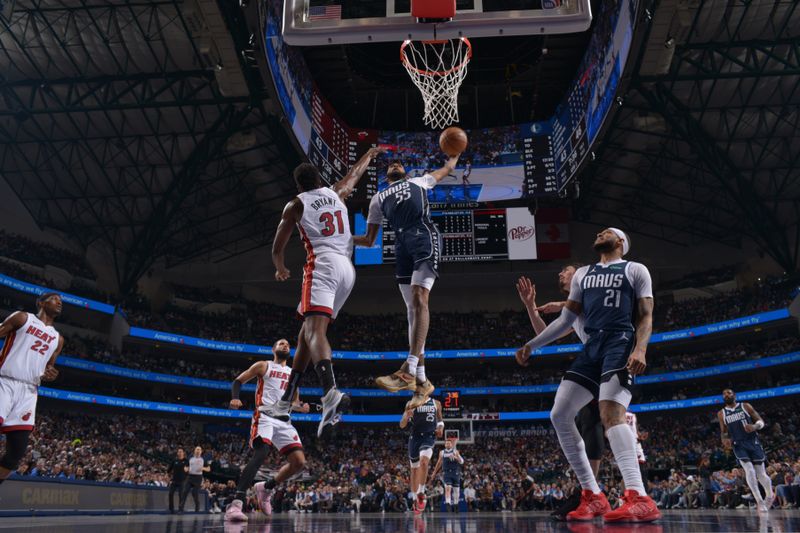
[(404, 58)]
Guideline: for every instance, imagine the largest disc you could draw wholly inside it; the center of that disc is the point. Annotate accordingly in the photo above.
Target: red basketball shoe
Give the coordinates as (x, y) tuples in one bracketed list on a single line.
[(636, 508), (591, 505)]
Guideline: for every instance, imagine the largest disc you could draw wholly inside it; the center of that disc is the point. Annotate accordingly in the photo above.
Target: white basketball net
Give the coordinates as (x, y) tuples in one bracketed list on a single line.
[(438, 68)]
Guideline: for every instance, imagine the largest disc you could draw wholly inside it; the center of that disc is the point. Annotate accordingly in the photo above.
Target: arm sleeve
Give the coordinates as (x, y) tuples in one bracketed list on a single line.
[(640, 278), (554, 330), (426, 182), (375, 215)]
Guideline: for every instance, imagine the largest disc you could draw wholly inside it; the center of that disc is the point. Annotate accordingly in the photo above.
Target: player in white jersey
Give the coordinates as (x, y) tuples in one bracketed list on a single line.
[(273, 379), (328, 277), (31, 346)]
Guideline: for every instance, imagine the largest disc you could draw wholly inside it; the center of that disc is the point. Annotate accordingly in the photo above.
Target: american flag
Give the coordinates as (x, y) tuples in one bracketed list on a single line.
[(325, 12)]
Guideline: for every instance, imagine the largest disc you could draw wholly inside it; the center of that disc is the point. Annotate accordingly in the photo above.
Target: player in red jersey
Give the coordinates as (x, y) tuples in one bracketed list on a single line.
[(321, 217), (28, 357)]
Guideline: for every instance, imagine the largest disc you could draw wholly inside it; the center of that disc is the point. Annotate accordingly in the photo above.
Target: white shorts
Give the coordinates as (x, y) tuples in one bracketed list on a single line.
[(17, 405), (276, 433), (327, 282)]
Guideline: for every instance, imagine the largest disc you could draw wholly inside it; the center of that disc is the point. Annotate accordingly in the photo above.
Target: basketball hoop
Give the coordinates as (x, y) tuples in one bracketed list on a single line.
[(437, 68)]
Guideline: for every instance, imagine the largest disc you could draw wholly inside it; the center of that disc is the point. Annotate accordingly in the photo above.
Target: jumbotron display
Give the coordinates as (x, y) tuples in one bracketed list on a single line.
[(467, 235), (503, 163)]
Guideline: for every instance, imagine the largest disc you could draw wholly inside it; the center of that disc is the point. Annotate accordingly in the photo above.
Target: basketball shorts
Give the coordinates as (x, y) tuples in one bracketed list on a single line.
[(418, 442), (749, 450), (327, 281), (282, 435), (452, 480), (417, 249), (17, 405), (604, 355)]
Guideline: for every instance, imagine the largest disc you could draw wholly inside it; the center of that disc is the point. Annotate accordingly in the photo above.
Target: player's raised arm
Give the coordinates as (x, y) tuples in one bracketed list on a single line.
[(527, 293), (439, 419), (758, 422), (445, 171), (257, 369), (292, 214), (643, 286), (723, 431), (344, 187), (374, 219)]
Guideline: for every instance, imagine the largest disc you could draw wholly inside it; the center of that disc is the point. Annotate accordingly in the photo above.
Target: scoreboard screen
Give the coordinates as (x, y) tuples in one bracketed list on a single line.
[(467, 235), (451, 404)]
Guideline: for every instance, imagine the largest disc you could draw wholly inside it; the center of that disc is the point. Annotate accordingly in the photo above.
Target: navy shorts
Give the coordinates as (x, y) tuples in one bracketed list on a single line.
[(418, 442), (749, 450), (604, 355), (453, 481), (413, 248)]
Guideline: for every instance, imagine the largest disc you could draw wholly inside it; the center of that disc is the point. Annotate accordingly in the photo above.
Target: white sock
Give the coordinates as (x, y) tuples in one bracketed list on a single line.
[(421, 374), (752, 481), (623, 444), (570, 398), (412, 361), (447, 500), (763, 478)]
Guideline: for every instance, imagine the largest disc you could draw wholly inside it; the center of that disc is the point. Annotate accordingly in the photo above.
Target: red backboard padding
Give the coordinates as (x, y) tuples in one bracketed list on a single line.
[(433, 9)]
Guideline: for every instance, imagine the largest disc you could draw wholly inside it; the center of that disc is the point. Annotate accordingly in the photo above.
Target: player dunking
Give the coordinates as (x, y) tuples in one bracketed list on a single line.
[(426, 426), (328, 277), (590, 427), (739, 424), (273, 378), (28, 356), (404, 203), (450, 461), (608, 294)]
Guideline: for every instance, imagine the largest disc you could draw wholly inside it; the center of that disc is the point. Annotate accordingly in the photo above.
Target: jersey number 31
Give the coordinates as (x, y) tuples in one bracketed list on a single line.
[(330, 229)]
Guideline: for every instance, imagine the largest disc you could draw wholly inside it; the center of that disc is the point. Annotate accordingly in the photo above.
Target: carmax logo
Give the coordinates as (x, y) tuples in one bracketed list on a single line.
[(521, 233)]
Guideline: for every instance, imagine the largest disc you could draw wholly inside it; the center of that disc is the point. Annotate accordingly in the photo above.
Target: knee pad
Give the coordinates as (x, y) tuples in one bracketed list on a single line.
[(16, 446)]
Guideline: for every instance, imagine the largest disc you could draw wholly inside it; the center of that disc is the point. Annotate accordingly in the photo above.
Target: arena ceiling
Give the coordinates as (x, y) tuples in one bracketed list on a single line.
[(705, 145), (142, 124), (145, 125)]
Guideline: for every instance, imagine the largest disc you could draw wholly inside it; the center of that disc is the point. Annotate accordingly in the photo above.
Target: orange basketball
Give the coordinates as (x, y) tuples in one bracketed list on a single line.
[(453, 141)]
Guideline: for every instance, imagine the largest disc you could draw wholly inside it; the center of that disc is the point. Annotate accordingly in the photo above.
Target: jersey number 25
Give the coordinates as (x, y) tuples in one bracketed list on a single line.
[(330, 229)]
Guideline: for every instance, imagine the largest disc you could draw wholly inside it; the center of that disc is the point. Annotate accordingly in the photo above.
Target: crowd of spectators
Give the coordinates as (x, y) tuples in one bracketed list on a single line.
[(364, 468), (40, 254)]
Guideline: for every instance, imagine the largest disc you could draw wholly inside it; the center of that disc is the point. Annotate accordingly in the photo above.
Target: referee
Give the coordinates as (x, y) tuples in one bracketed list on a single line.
[(197, 465), (177, 470)]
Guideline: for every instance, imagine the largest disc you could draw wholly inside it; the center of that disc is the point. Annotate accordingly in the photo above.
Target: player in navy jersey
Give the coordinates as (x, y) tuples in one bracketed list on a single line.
[(607, 294), (590, 427), (426, 426), (450, 461), (739, 425), (404, 203)]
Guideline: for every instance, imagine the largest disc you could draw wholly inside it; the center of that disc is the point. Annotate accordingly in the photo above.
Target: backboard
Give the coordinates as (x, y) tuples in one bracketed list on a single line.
[(327, 22)]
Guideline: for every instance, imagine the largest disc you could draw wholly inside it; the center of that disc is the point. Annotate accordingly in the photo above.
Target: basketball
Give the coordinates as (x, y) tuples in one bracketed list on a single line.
[(453, 141)]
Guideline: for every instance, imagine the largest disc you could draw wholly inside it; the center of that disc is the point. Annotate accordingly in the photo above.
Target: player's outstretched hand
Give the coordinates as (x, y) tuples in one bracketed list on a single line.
[(550, 307), (523, 355), (304, 408), (637, 362), (282, 274), (527, 291), (726, 443), (50, 373), (235, 404), (375, 151)]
